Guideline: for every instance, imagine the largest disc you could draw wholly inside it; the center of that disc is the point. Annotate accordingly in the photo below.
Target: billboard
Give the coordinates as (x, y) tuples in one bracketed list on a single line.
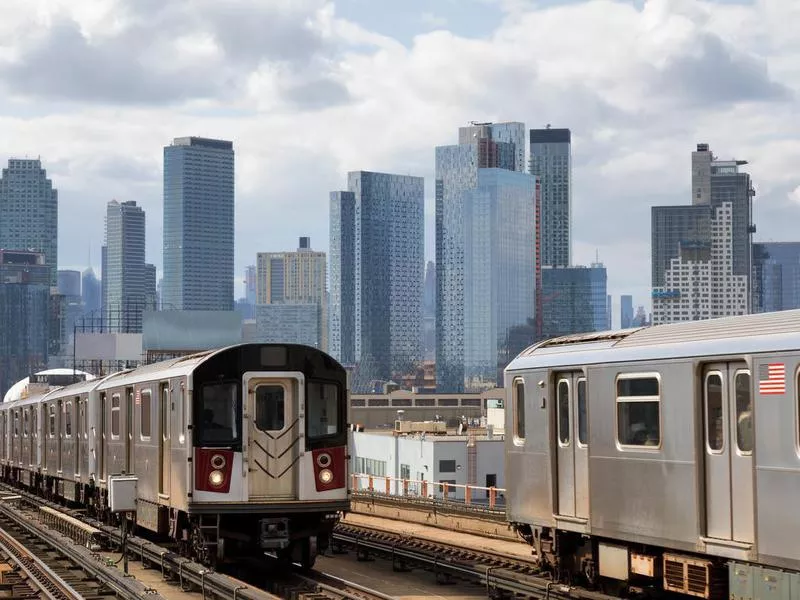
[(175, 330)]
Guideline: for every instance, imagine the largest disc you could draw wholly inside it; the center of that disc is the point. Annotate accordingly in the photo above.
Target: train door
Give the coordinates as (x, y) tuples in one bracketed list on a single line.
[(729, 441), (163, 439), (59, 435), (34, 436), (273, 437), (129, 436), (101, 435), (572, 445)]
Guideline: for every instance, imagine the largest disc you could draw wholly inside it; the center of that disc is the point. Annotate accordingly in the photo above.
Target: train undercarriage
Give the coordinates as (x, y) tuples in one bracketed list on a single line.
[(628, 569), (213, 539)]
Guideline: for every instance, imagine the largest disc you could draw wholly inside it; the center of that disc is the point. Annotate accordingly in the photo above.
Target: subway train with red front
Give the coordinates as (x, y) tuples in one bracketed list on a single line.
[(237, 451), (662, 459)]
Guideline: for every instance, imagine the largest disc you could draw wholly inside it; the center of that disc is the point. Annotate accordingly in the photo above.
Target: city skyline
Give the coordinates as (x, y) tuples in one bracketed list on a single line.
[(687, 71)]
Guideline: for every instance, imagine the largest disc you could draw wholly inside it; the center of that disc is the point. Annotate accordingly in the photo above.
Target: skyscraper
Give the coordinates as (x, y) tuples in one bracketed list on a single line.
[(776, 276), (24, 315), (91, 292), (198, 224), (484, 257), (626, 311), (551, 162), (702, 253), (250, 284), (575, 300), (342, 303), (377, 261), (127, 278), (29, 211), (297, 278), (429, 312)]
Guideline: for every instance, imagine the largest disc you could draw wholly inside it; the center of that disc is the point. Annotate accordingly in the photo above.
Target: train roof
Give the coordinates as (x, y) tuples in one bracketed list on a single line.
[(746, 334)]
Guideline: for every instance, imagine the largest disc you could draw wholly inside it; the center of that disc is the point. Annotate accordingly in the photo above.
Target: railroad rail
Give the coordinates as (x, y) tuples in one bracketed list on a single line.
[(501, 575), (48, 561), (328, 586), (78, 533)]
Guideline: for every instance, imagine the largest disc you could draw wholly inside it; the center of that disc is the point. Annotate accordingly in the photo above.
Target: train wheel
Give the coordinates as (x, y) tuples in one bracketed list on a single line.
[(201, 550)]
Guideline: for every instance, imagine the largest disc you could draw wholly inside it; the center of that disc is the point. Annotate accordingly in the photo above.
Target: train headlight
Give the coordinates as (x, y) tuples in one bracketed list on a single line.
[(218, 461), (324, 460), (216, 478), (325, 476)]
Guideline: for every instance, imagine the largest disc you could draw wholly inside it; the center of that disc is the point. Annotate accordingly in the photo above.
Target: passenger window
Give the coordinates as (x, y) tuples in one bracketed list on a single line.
[(52, 430), (519, 409), (25, 423), (715, 428), (744, 413), (563, 412), (68, 418), (583, 425), (115, 417), (270, 408), (638, 410), (144, 414)]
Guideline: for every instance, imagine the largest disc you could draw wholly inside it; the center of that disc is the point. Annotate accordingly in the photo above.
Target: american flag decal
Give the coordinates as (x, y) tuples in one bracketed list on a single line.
[(772, 379)]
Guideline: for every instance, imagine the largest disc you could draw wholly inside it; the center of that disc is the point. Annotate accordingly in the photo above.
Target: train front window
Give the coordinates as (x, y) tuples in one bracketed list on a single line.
[(270, 407), (322, 409), (218, 414)]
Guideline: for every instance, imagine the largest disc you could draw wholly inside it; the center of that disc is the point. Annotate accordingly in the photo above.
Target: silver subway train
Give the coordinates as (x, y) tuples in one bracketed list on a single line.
[(237, 450), (664, 458)]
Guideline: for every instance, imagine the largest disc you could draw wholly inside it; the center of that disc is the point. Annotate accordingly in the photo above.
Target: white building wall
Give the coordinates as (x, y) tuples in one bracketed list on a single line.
[(423, 459)]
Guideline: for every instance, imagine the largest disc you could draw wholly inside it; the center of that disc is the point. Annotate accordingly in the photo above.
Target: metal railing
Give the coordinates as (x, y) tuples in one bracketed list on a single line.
[(492, 498)]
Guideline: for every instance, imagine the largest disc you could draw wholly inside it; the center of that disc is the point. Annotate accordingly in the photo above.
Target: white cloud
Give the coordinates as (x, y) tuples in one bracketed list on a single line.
[(306, 96)]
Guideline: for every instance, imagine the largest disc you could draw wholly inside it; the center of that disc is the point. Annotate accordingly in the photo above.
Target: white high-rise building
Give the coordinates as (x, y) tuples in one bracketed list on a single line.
[(700, 283), (29, 211)]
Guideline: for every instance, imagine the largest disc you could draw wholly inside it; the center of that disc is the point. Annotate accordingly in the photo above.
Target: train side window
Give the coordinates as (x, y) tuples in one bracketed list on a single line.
[(519, 409), (115, 417), (639, 410), (583, 423), (52, 429), (144, 415), (25, 417), (68, 418), (563, 412), (715, 424), (744, 412)]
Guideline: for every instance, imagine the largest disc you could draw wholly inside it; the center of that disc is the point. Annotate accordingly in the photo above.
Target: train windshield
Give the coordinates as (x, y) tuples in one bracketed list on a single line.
[(322, 410), (218, 417)]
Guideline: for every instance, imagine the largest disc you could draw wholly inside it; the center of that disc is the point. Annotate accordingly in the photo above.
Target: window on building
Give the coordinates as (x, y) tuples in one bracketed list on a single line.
[(638, 410), (405, 471), (447, 466), (371, 466)]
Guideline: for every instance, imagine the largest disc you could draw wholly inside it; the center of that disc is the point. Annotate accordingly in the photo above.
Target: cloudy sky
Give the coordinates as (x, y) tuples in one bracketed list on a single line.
[(310, 89)]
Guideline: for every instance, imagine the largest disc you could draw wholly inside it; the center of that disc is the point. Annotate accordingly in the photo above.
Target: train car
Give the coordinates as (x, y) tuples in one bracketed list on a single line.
[(663, 458), (236, 451)]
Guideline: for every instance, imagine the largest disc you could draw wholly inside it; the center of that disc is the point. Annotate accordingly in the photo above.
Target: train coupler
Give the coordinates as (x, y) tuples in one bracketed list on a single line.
[(273, 534)]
